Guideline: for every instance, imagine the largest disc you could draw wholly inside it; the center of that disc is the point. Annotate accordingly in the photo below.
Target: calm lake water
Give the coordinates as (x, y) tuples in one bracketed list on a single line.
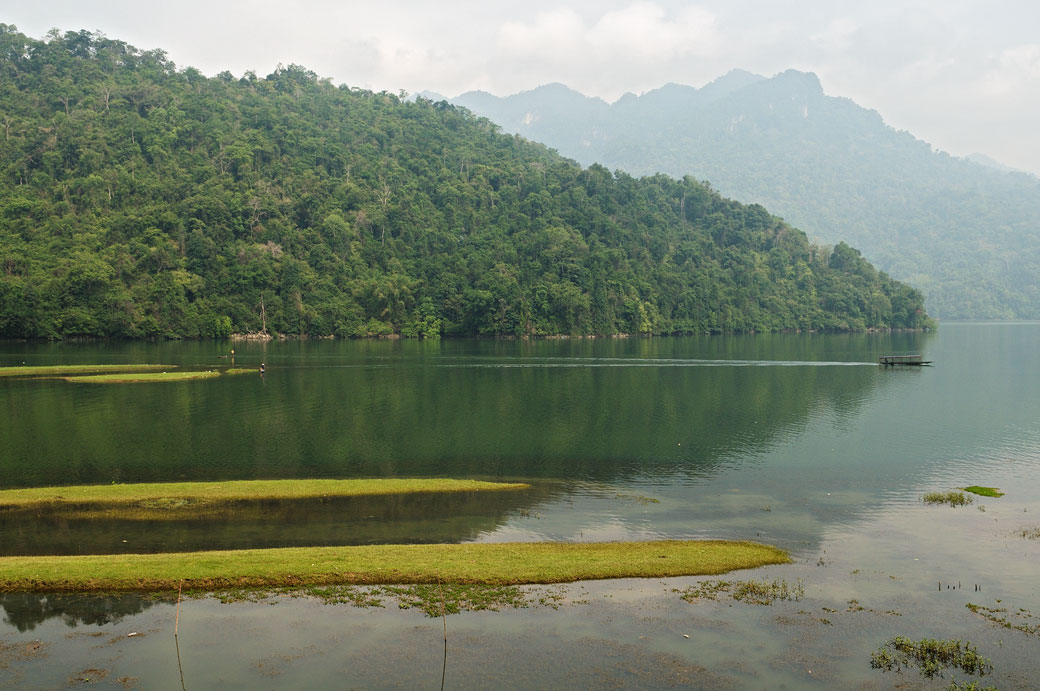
[(796, 440)]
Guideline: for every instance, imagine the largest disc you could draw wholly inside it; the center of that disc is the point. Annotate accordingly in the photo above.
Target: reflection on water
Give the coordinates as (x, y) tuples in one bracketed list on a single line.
[(26, 611), (617, 409), (632, 439), (410, 518)]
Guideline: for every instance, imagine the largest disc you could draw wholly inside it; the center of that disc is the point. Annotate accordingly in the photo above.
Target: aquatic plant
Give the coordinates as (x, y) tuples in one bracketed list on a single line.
[(953, 498), (1029, 533), (639, 498), (984, 491), (751, 591), (1008, 620), (930, 656)]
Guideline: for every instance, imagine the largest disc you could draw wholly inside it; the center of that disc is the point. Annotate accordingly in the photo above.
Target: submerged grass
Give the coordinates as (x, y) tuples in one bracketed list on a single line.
[(932, 657), (1001, 616), (984, 491), (142, 377), (156, 497), (62, 370), (752, 592), (484, 563), (952, 498)]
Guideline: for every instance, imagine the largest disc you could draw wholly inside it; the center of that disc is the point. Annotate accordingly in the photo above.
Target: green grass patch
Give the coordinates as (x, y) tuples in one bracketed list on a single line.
[(483, 564), (932, 657), (242, 370), (984, 491), (64, 370), (142, 377), (170, 497), (953, 498)]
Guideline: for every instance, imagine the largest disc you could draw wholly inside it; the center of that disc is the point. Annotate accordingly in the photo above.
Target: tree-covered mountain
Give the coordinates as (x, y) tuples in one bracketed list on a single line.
[(139, 200), (966, 234)]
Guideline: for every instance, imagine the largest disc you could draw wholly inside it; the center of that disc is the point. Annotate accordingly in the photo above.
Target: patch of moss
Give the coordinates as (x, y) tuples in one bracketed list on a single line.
[(984, 491)]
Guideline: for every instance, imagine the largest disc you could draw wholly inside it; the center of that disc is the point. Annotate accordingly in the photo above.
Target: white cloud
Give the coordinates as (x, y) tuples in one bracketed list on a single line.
[(642, 33)]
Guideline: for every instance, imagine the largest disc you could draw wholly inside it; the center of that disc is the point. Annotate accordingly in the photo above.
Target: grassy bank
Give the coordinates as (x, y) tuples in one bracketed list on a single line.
[(64, 370), (176, 494), (490, 564)]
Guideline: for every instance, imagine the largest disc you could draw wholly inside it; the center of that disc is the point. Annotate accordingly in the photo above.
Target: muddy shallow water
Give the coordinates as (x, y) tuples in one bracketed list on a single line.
[(793, 440)]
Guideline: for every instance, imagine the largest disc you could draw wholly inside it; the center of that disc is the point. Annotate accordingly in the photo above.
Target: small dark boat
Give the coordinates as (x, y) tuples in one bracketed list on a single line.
[(903, 360)]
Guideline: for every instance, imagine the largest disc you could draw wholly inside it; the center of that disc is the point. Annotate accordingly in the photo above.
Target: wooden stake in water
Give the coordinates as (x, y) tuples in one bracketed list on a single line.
[(176, 640), (444, 619), (177, 618)]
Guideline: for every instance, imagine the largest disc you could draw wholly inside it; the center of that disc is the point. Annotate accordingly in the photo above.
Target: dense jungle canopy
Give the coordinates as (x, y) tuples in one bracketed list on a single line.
[(140, 200)]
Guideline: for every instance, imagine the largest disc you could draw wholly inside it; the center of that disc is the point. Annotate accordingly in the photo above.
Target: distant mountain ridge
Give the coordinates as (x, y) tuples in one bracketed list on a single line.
[(964, 231)]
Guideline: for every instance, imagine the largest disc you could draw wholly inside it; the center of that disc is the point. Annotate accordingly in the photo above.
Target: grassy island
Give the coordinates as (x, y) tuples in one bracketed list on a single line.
[(487, 564), (177, 494), (142, 377), (66, 370)]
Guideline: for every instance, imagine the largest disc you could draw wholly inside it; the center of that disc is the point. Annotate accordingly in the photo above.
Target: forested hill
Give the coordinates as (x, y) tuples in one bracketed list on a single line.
[(966, 234), (138, 200)]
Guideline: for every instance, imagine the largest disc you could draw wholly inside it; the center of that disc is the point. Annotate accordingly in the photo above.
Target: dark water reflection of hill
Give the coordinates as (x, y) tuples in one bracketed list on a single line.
[(583, 410)]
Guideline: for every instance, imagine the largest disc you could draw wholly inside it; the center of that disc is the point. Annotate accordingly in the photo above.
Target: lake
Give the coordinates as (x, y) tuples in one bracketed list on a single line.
[(797, 440)]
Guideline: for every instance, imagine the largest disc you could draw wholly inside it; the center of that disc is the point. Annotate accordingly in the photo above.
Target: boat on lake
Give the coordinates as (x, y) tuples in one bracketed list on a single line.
[(905, 360)]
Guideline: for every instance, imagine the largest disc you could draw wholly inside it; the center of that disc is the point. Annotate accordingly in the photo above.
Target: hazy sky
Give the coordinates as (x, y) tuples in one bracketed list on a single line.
[(961, 74)]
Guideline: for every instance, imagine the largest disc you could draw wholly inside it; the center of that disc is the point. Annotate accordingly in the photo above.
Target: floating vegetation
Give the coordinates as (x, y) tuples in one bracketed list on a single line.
[(242, 370), (751, 592), (931, 657), (63, 370), (468, 563), (142, 377), (1001, 616), (953, 498), (639, 498), (1029, 533), (984, 491), (172, 496)]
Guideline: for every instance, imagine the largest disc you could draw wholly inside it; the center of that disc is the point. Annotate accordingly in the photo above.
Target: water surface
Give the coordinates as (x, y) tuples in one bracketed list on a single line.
[(799, 440)]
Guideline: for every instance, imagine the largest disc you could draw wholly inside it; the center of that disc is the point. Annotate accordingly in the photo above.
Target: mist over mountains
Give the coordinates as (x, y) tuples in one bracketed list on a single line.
[(966, 232)]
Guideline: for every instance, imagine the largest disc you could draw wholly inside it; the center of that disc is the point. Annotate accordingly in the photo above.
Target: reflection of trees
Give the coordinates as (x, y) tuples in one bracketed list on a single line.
[(577, 410), (26, 611), (409, 518)]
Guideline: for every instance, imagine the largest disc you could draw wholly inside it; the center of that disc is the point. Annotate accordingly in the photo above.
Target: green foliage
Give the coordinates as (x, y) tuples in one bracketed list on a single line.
[(964, 234), (930, 656), (142, 201)]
